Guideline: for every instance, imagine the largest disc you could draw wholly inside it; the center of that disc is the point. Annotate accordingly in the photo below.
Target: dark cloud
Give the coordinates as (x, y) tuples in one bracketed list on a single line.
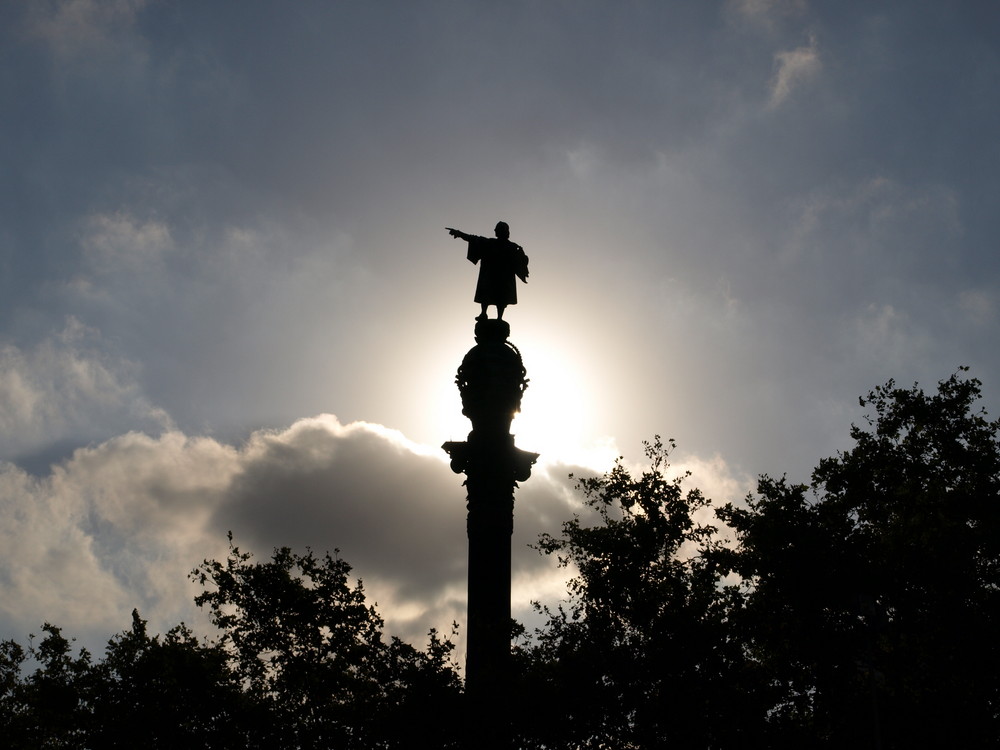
[(393, 513)]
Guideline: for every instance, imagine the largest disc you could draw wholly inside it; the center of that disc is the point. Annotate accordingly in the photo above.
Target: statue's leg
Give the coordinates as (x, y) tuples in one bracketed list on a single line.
[(482, 315), (500, 309)]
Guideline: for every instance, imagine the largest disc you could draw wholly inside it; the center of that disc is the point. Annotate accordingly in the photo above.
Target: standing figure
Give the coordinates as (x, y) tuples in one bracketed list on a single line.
[(502, 260)]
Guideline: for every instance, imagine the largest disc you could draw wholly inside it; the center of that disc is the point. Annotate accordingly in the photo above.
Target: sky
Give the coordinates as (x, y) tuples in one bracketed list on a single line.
[(228, 301)]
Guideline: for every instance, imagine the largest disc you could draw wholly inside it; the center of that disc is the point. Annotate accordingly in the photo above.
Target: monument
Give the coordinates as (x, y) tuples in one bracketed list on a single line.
[(491, 381), (502, 260)]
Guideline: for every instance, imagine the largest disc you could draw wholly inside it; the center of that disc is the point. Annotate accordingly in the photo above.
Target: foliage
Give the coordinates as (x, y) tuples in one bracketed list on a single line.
[(873, 599), (171, 692), (147, 692), (52, 706), (301, 663), (641, 655), (311, 654), (857, 611)]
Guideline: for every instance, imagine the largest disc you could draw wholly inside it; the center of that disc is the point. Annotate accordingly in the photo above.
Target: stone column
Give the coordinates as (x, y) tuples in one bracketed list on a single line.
[(491, 380)]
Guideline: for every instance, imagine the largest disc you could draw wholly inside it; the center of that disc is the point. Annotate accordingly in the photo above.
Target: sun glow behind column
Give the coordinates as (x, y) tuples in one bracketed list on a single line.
[(560, 410), (557, 418)]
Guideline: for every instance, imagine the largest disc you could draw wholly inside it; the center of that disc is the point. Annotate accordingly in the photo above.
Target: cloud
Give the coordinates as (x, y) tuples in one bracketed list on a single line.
[(121, 523), (63, 387), (119, 241), (793, 69), (393, 508), (50, 569)]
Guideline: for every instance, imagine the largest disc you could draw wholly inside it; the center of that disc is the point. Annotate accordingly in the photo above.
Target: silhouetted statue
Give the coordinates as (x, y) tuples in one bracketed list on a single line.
[(502, 260)]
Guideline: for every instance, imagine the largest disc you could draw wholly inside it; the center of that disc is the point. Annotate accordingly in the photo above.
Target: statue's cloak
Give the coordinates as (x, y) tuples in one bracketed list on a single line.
[(500, 261)]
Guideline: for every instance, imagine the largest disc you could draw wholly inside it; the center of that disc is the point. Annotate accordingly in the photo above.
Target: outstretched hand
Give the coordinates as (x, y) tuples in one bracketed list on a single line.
[(457, 233)]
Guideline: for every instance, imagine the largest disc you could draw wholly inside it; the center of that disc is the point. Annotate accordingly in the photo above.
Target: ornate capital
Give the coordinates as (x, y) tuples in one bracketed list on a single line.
[(491, 379)]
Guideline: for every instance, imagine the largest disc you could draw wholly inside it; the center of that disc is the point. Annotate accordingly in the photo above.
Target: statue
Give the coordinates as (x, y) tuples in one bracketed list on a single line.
[(502, 260)]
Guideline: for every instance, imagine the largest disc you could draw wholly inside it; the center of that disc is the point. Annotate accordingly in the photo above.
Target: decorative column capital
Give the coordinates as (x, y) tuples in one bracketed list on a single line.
[(503, 459), (491, 380)]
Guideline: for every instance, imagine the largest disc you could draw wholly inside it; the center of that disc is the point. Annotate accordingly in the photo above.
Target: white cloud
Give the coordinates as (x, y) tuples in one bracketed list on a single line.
[(714, 477), (49, 568), (120, 524), (793, 69), (120, 242), (63, 387)]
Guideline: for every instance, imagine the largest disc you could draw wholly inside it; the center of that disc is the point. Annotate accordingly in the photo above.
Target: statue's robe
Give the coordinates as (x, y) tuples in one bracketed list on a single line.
[(500, 261)]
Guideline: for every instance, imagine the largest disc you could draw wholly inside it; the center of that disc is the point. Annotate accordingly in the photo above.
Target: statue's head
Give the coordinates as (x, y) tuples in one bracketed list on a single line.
[(502, 230)]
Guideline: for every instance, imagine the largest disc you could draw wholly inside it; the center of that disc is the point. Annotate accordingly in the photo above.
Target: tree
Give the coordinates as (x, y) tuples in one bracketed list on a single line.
[(301, 662), (311, 654), (52, 706), (641, 655), (857, 611), (874, 598), (146, 692), (167, 693)]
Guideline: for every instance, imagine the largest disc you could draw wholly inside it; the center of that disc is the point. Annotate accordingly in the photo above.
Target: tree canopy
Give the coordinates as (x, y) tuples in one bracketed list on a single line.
[(857, 610), (301, 662), (872, 595)]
